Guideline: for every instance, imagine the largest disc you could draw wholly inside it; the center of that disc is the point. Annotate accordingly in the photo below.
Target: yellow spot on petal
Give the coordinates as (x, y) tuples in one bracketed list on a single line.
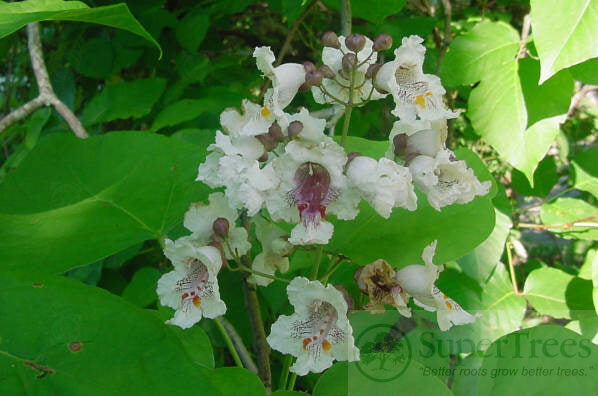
[(428, 93), (265, 111), (196, 301), (326, 346), (419, 100), (449, 305), (445, 296)]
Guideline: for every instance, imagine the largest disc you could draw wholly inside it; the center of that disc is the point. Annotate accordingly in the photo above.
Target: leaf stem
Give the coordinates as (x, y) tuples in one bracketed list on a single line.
[(228, 342), (511, 267), (284, 375), (333, 267), (316, 266), (292, 382), (346, 17)]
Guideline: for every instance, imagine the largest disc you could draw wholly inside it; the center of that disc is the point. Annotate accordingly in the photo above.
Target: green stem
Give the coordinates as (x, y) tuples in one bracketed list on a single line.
[(284, 375), (346, 17), (292, 382), (331, 270), (229, 342), (511, 268), (315, 268), (348, 110)]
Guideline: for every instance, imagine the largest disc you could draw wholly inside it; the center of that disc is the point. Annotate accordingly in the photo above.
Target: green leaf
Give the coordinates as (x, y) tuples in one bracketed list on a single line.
[(586, 171), (557, 362), (373, 371), (572, 218), (14, 16), (564, 33), (546, 289), (93, 342), (473, 55), (124, 100), (401, 238), (545, 178), (586, 72), (141, 290), (595, 280), (498, 114), (192, 29), (94, 58), (479, 263), (77, 201), (372, 11)]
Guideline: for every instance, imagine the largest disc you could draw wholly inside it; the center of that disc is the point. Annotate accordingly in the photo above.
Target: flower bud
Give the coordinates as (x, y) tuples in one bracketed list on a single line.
[(399, 144), (313, 77), (267, 141), (372, 70), (349, 62), (326, 71), (295, 128), (220, 227), (303, 87), (382, 42), (309, 66), (264, 157), (355, 42), (352, 156), (276, 132), (330, 39)]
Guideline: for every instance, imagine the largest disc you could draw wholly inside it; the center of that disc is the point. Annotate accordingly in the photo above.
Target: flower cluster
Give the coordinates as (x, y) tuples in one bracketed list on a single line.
[(277, 166)]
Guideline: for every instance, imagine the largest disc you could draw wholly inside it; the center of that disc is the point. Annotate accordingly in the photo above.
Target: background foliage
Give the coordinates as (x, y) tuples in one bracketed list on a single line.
[(80, 219)]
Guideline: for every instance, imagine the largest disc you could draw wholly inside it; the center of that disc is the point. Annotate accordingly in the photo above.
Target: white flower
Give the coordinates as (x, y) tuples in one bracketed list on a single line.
[(446, 181), (275, 251), (313, 128), (414, 93), (384, 184), (312, 185), (254, 120), (418, 138), (339, 86), (286, 80), (234, 164), (200, 218), (418, 282), (318, 332), (192, 288)]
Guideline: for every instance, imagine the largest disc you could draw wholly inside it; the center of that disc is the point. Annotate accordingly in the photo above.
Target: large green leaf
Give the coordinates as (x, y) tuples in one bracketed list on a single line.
[(479, 263), (14, 16), (586, 72), (383, 376), (192, 29), (73, 202), (564, 33), (401, 238), (124, 100), (546, 360), (571, 218), (63, 337), (546, 290), (586, 171), (471, 56)]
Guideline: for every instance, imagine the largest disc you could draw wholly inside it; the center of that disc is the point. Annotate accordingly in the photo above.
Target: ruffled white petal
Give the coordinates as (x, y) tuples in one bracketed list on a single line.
[(309, 234)]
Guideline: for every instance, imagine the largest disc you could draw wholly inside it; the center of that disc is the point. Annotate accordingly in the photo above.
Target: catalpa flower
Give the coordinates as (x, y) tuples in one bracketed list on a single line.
[(383, 183), (200, 218), (377, 280), (286, 80), (418, 282), (414, 93), (318, 332), (312, 185), (233, 163), (275, 251), (192, 288), (339, 86), (252, 121), (408, 140), (445, 180)]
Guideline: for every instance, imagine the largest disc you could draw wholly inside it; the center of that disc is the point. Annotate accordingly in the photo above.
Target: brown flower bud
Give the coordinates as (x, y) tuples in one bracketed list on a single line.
[(276, 132), (309, 66), (220, 227), (352, 156), (326, 71), (264, 157), (303, 87), (330, 39), (355, 42), (295, 128), (399, 144), (382, 42), (349, 62), (372, 70), (313, 77), (267, 141)]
